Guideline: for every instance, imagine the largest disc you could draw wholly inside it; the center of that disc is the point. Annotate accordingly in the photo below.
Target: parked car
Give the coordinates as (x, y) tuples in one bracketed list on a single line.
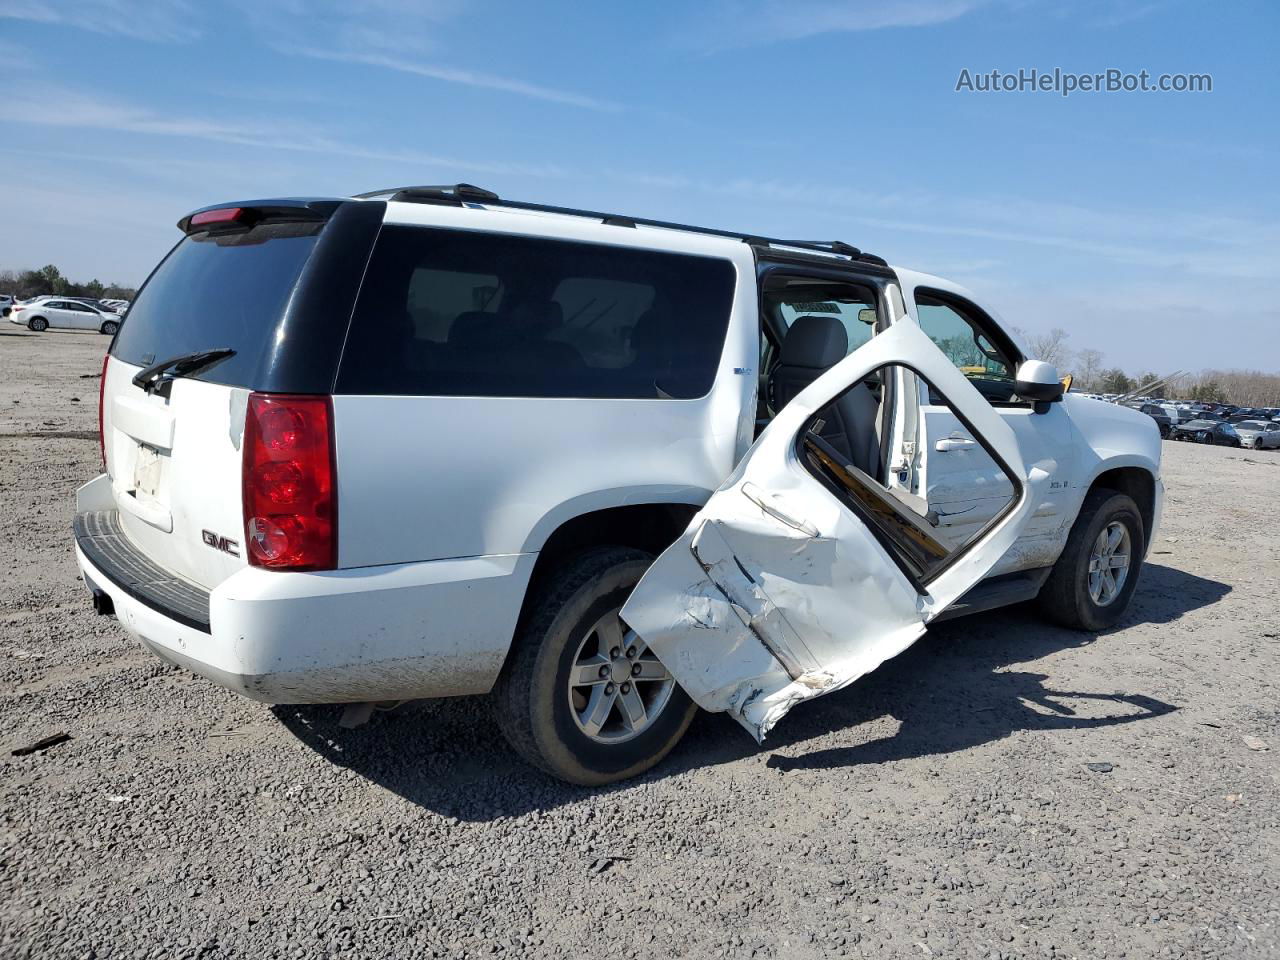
[(1160, 415), (440, 441), (1259, 434), (1218, 432), (63, 313), (6, 303)]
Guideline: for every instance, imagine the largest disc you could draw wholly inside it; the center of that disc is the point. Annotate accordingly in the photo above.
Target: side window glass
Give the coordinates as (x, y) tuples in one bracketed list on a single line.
[(965, 345), (463, 313), (438, 297), (600, 316), (855, 309)]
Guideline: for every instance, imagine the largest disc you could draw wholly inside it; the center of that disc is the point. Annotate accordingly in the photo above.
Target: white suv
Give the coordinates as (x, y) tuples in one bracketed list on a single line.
[(428, 442)]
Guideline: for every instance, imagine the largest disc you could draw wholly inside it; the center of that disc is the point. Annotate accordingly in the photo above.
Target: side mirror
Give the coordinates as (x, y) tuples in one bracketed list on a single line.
[(1038, 381)]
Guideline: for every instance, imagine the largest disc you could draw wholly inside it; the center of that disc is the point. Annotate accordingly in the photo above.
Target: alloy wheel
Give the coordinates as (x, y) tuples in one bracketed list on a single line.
[(1109, 563), (617, 688)]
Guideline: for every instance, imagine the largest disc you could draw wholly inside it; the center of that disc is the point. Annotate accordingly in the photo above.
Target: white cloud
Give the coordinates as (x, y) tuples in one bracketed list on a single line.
[(60, 107), (468, 78), (743, 23), (168, 21)]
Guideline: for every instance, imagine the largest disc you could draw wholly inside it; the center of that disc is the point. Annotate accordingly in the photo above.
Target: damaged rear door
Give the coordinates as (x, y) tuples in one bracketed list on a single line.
[(819, 558)]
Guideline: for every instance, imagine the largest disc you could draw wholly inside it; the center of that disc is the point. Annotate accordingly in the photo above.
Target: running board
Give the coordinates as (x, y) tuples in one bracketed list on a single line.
[(996, 592)]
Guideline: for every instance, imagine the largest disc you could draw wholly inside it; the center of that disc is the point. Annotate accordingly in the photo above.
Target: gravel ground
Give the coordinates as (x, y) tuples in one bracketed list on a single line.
[(944, 806)]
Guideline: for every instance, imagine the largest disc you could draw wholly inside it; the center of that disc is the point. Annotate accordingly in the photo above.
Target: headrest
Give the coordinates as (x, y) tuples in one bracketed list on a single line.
[(814, 341), (470, 329)]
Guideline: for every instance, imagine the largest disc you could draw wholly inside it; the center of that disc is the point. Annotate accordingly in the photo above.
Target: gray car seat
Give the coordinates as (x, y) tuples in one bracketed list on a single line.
[(812, 346)]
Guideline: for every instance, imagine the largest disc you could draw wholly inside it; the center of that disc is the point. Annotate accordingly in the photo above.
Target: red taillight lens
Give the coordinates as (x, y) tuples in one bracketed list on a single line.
[(290, 504), (102, 399), (225, 215)]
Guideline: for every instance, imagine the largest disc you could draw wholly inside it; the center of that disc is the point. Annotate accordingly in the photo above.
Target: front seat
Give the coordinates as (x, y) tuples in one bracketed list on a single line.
[(813, 345)]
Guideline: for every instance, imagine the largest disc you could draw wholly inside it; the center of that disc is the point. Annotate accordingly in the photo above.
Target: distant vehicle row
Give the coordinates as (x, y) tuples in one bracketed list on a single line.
[(66, 313), (1258, 434)]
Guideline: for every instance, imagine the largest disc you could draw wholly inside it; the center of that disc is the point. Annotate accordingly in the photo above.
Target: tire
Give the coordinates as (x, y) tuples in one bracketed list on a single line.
[(38, 324), (109, 328), (1065, 597), (533, 702)]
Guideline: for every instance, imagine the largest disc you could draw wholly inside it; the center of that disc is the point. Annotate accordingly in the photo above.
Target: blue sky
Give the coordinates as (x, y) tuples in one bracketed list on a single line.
[(1145, 224)]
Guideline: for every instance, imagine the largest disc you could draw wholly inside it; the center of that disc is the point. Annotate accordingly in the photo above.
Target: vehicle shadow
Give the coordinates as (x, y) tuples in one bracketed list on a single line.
[(949, 692)]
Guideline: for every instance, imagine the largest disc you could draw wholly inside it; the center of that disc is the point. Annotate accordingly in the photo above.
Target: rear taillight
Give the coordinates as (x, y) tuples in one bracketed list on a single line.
[(290, 503), (102, 399)]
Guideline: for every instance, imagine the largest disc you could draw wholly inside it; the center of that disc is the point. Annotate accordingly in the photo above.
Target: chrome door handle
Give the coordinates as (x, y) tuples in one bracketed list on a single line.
[(954, 443)]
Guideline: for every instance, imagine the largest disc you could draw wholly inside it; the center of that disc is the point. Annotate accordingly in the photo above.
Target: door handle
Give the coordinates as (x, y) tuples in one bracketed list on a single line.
[(954, 443)]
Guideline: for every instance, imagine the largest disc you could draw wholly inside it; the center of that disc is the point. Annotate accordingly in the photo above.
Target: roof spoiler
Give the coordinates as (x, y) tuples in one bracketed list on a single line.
[(246, 213)]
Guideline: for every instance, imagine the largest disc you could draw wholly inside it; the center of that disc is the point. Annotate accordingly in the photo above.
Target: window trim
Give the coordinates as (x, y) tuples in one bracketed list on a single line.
[(882, 534), (981, 321)]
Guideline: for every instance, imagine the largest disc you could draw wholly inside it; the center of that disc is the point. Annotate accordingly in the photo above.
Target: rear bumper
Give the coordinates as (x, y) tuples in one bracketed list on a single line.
[(433, 629)]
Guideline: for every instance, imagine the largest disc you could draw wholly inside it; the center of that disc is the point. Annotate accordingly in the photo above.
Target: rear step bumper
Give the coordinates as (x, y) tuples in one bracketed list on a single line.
[(433, 629), (101, 539)]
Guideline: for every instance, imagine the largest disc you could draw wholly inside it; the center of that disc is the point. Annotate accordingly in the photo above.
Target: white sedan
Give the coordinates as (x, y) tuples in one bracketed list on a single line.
[(65, 314)]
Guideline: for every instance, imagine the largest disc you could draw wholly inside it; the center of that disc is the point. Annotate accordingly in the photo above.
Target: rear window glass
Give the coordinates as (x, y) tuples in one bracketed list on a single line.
[(462, 313), (218, 291)]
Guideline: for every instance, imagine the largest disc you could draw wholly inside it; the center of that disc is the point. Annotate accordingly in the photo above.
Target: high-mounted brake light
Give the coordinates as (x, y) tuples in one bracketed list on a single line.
[(102, 399), (224, 215), (287, 476)]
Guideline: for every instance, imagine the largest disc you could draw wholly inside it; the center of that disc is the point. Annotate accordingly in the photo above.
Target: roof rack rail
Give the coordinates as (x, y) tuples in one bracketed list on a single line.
[(455, 194), (460, 194)]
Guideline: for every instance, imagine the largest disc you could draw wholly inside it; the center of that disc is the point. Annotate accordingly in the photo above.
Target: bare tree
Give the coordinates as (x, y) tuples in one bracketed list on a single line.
[(1050, 347), (1089, 366)]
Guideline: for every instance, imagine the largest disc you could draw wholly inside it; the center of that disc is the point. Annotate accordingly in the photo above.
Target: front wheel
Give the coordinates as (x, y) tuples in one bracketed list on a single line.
[(581, 696), (1095, 577), (109, 328), (38, 324)]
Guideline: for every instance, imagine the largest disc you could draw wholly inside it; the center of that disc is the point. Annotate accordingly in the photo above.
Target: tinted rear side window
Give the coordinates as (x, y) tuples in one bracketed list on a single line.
[(218, 291), (461, 313)]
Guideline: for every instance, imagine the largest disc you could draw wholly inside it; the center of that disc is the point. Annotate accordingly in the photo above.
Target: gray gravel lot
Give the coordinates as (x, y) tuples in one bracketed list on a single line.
[(942, 807)]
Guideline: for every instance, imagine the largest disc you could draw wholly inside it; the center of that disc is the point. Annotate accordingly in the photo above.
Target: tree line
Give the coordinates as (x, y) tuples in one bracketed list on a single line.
[(1247, 388), (49, 280)]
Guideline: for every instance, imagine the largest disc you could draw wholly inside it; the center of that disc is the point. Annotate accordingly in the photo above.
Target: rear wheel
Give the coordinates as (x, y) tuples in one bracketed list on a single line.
[(1095, 577), (109, 328), (38, 324), (581, 696)]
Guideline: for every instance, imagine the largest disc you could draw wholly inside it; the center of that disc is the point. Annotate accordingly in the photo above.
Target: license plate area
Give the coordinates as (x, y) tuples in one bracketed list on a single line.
[(148, 473)]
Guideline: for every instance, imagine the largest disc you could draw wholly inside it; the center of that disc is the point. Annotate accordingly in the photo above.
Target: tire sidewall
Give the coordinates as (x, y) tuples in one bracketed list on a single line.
[(1122, 508), (109, 328), (38, 324), (573, 754)]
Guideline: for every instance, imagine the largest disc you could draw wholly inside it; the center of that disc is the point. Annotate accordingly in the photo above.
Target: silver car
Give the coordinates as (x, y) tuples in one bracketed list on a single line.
[(1259, 434)]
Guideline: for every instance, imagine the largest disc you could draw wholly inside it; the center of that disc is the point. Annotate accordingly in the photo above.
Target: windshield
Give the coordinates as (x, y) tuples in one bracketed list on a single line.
[(1251, 425), (218, 291)]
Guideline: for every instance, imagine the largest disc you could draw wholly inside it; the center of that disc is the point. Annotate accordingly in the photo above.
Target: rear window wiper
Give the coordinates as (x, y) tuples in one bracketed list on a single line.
[(157, 377)]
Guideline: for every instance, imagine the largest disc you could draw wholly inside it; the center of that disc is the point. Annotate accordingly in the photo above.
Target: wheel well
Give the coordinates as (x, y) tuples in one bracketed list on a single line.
[(651, 527), (1138, 484)]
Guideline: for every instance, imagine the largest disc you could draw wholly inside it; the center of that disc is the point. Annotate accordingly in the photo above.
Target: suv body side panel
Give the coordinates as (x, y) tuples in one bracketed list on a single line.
[(497, 475)]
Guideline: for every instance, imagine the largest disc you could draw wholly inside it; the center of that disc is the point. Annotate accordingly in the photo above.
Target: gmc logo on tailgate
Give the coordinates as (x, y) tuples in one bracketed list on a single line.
[(220, 543)]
